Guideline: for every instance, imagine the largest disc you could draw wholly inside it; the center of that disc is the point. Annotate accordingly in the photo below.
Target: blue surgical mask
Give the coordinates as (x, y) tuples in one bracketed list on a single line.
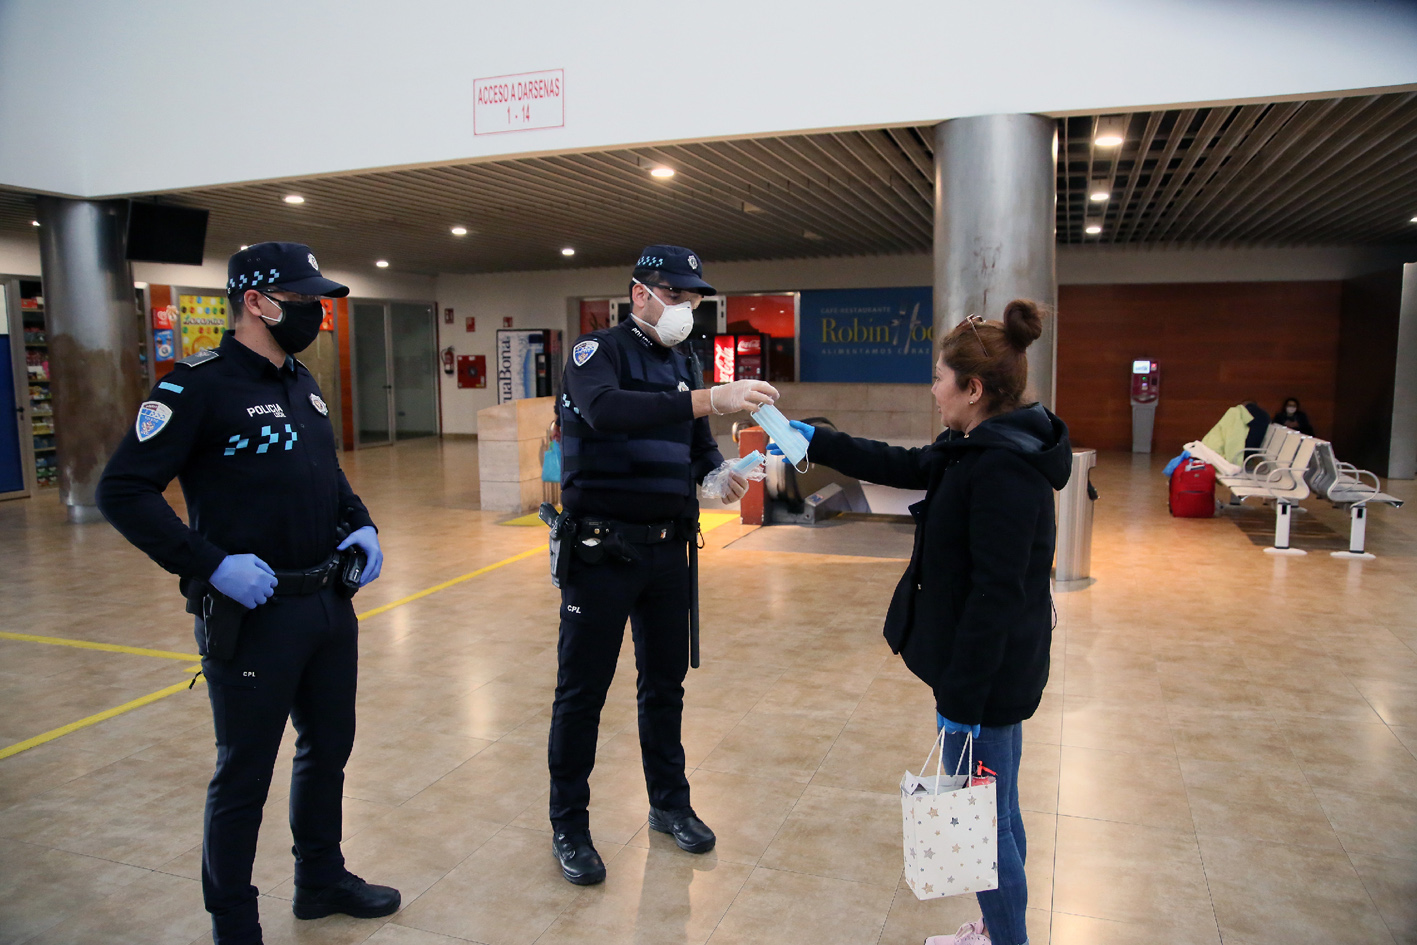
[(748, 462), (792, 443)]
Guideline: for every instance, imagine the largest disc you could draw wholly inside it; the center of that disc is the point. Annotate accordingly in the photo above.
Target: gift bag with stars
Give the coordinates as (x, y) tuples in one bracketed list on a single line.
[(951, 828)]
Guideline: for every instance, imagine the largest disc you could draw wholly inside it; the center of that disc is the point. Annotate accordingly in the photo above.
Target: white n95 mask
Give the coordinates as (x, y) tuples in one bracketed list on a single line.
[(676, 322), (792, 443)]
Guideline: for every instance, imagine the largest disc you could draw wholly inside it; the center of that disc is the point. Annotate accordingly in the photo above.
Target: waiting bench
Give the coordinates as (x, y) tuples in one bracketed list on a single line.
[(1286, 469), (1351, 488)]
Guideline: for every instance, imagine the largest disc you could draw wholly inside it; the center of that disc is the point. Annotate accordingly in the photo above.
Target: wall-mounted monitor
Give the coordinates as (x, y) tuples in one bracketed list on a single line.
[(166, 234)]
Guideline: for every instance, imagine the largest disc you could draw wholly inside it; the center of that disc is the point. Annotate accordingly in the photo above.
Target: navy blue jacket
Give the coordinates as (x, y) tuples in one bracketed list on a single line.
[(632, 449), (253, 448)]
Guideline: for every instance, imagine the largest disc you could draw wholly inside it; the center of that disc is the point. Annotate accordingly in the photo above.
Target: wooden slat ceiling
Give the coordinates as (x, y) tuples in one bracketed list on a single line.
[(1334, 171)]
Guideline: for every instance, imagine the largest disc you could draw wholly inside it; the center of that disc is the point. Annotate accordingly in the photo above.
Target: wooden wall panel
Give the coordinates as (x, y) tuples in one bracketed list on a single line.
[(1218, 343)]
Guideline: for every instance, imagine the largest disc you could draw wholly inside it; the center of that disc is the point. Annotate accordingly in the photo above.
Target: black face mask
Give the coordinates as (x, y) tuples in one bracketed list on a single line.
[(299, 324)]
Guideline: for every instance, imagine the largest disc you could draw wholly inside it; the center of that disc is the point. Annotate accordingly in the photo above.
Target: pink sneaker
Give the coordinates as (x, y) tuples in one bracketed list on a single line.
[(971, 933)]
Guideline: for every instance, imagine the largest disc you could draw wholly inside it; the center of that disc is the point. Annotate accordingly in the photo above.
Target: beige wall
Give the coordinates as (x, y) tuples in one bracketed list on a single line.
[(509, 454), (894, 412)]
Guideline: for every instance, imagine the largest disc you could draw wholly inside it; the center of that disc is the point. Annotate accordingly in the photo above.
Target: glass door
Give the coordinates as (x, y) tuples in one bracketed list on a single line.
[(415, 361), (373, 392)]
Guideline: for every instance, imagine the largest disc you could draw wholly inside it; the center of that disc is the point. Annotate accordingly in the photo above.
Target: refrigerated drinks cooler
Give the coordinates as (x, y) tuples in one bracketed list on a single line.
[(740, 357), (529, 364)]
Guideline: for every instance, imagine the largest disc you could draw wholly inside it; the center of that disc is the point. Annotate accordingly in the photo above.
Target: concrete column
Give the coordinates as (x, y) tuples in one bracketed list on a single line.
[(995, 194), (95, 377), (1402, 451)]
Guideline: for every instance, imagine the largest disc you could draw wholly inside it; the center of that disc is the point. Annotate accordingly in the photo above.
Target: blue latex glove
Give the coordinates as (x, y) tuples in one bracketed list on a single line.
[(368, 541), (954, 728), (806, 429), (246, 579)]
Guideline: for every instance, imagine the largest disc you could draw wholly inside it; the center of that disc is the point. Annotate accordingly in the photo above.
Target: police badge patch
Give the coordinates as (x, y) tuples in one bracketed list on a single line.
[(319, 405), (152, 417), (683, 385), (581, 353)]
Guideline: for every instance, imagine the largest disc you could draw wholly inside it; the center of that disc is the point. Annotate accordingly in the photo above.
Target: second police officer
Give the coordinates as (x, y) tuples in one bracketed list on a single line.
[(244, 430), (635, 442)]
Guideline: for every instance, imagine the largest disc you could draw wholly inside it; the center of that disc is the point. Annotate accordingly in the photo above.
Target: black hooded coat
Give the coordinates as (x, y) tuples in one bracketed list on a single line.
[(973, 614)]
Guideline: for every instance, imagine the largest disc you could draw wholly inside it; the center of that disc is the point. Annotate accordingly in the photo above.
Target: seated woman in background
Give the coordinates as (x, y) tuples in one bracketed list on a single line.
[(973, 614), (1292, 417)]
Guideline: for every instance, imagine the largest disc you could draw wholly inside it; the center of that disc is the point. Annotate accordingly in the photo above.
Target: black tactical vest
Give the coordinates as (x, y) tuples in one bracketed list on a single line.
[(651, 459)]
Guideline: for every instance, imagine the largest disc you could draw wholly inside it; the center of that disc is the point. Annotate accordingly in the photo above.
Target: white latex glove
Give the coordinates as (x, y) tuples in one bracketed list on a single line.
[(736, 485), (741, 395)]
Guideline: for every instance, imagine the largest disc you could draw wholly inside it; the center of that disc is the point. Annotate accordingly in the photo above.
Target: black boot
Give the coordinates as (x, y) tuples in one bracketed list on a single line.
[(351, 896), (692, 834), (580, 864)]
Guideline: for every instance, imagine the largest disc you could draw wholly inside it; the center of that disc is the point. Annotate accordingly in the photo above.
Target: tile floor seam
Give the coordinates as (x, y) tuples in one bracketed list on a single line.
[(1382, 917), (1205, 872)]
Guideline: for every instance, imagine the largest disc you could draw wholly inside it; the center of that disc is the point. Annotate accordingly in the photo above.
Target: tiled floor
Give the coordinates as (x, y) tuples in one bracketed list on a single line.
[(1225, 751)]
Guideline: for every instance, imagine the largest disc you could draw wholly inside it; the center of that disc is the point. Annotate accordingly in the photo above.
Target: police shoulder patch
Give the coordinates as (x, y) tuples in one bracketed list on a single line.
[(319, 405), (152, 417), (200, 358), (583, 350)]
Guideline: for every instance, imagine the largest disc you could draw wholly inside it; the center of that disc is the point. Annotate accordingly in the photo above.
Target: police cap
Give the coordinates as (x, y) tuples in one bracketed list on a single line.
[(674, 266), (288, 266)]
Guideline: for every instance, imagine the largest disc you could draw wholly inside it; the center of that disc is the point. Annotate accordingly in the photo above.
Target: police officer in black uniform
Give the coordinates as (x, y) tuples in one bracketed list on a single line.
[(244, 430), (635, 440)]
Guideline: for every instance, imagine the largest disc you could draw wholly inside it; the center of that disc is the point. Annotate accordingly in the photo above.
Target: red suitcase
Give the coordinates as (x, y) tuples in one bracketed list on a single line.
[(1193, 490)]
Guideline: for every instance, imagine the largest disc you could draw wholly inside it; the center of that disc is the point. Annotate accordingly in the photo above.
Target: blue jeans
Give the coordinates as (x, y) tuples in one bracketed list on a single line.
[(1000, 749)]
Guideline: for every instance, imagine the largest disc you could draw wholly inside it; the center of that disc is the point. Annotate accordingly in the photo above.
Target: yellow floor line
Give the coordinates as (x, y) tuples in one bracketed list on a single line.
[(708, 521), (106, 647), (175, 688), (533, 518), (63, 730), (447, 584)]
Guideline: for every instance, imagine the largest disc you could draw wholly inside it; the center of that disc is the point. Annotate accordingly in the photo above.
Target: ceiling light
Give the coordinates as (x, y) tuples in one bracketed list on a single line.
[(1110, 131), (294, 198), (1093, 230), (243, 245), (808, 234), (665, 172), (568, 251), (459, 231), (382, 263), (1099, 193), (34, 223), (1414, 220)]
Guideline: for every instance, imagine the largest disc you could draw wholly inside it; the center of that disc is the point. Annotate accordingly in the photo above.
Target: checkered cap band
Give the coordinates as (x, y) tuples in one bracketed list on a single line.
[(252, 280)]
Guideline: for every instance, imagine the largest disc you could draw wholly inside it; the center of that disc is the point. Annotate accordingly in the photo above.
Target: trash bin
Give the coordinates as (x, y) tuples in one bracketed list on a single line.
[(1074, 561)]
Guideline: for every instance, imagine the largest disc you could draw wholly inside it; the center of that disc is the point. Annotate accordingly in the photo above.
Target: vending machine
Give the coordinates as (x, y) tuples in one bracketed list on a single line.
[(528, 364), (1146, 391), (740, 357)]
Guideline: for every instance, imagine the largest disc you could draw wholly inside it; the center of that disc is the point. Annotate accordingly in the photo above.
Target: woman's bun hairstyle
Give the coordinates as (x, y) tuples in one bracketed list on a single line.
[(995, 352), (1023, 323)]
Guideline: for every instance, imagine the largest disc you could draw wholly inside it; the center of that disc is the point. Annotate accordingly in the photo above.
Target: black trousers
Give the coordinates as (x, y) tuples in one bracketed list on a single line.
[(297, 657), (596, 600)]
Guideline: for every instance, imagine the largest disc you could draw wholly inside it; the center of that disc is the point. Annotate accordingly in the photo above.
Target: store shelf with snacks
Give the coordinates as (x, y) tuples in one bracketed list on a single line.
[(36, 340)]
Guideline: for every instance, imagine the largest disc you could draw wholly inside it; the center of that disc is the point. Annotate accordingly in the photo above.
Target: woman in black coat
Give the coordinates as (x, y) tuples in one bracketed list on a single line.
[(973, 614)]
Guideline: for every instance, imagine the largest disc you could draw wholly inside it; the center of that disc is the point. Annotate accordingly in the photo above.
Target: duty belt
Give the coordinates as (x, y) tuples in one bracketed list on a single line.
[(309, 581), (651, 534)]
